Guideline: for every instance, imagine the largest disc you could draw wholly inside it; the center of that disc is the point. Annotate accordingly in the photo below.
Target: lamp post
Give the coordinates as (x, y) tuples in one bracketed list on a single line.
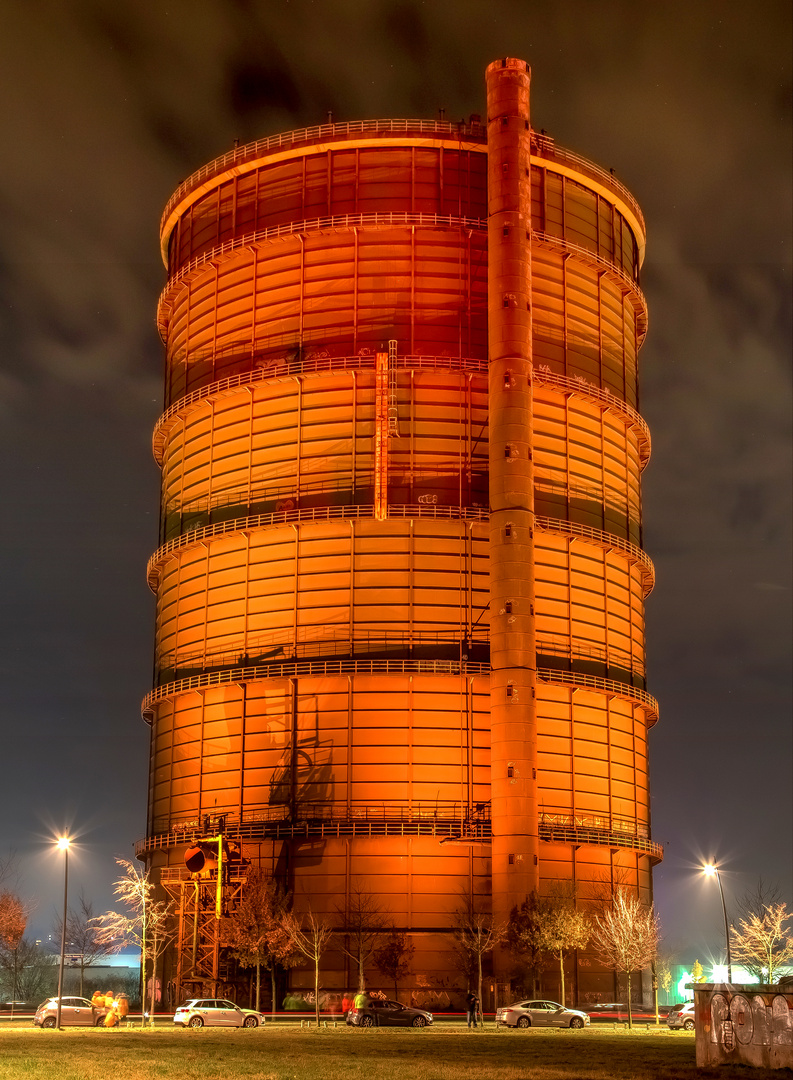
[(711, 870), (63, 845)]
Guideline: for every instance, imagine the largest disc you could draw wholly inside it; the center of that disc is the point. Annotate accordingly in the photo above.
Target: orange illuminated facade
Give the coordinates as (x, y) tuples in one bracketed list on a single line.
[(400, 583)]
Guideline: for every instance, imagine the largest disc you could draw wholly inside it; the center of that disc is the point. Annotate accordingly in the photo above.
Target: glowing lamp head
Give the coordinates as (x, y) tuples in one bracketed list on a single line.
[(710, 870), (63, 843)]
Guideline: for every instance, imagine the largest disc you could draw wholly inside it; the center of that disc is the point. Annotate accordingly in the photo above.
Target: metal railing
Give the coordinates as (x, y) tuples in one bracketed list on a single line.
[(404, 666), (442, 818), (547, 148), (607, 686), (279, 368), (320, 640), (295, 669), (318, 133), (543, 146), (312, 513), (577, 384), (374, 219), (600, 262), (606, 540)]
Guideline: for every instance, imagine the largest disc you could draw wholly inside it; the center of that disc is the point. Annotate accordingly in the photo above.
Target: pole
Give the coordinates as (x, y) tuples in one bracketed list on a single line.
[(63, 930), (726, 928)]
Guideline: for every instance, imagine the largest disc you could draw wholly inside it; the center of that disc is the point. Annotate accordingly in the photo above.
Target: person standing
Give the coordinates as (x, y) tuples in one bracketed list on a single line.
[(346, 1004), (472, 1008)]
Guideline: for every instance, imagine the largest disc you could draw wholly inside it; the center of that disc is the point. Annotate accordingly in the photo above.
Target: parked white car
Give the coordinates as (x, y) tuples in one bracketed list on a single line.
[(541, 1014), (215, 1012), (681, 1016)]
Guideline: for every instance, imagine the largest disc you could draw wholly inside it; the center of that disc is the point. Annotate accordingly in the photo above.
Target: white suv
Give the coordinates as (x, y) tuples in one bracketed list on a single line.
[(215, 1012)]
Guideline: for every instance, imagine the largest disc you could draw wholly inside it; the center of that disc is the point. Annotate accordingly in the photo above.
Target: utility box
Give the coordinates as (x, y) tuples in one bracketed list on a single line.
[(746, 1024)]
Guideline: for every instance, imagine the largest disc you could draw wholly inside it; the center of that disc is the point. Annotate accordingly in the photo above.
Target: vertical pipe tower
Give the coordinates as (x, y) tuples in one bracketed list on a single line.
[(513, 653)]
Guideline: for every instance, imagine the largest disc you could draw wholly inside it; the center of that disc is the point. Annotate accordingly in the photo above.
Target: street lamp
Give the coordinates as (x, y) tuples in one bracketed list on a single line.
[(711, 870), (63, 845)]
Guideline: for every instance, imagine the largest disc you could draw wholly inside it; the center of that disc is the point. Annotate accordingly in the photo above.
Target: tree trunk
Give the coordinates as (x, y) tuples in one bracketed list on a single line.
[(153, 980), (561, 976), (316, 988), (361, 980), (258, 983), (630, 1017), (272, 984), (479, 985)]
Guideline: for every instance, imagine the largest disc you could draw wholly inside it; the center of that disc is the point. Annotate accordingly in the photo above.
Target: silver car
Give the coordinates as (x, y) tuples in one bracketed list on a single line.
[(215, 1012), (75, 1012), (541, 1014), (681, 1016)]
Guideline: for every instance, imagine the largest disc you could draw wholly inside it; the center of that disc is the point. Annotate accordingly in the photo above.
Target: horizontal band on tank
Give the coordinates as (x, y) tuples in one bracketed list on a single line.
[(248, 241), (278, 648), (583, 388), (603, 266), (275, 370), (279, 518), (454, 668), (244, 158)]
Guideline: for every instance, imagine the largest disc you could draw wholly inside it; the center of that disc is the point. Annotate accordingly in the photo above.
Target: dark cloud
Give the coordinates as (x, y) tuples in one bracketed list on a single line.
[(108, 106)]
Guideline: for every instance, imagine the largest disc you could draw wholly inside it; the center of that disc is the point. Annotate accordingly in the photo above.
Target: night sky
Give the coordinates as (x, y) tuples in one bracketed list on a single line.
[(107, 105)]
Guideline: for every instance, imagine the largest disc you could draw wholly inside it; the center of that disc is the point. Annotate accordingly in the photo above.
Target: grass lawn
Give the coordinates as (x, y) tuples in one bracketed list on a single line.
[(287, 1052)]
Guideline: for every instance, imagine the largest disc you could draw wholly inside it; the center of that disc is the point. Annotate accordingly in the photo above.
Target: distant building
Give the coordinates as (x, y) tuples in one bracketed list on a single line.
[(400, 582)]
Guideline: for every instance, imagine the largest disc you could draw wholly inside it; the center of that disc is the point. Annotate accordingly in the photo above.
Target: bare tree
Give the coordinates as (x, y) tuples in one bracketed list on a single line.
[(147, 923), (476, 934), (394, 958), (27, 969), (525, 935), (564, 928), (256, 932), (310, 937), (83, 934), (363, 923), (625, 936), (763, 944)]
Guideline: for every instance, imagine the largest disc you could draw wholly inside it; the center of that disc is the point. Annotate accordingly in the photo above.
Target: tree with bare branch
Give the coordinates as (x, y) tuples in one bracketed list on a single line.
[(763, 944), (525, 935), (476, 934), (363, 923), (394, 958), (564, 928), (146, 922), (82, 934), (255, 931), (625, 936), (309, 936)]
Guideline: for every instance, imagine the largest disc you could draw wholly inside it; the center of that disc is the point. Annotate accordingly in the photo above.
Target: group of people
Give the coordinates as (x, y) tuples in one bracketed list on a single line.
[(117, 1007), (361, 1000)]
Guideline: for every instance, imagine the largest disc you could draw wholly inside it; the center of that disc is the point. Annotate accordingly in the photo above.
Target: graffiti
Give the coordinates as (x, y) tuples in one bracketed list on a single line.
[(743, 1025), (430, 500)]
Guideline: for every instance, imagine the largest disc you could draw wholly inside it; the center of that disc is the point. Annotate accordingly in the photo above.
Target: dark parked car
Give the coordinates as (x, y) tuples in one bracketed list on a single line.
[(388, 1014)]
